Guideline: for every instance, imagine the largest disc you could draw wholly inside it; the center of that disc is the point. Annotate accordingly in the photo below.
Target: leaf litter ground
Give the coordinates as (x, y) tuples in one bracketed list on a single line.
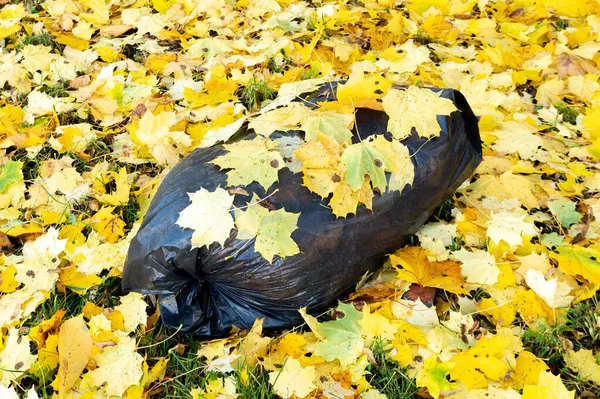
[(101, 98)]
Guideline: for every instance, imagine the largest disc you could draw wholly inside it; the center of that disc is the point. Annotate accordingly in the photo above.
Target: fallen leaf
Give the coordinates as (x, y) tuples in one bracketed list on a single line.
[(74, 351)]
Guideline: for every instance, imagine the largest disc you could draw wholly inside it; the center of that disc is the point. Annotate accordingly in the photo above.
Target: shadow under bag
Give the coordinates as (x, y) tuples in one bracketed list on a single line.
[(209, 290)]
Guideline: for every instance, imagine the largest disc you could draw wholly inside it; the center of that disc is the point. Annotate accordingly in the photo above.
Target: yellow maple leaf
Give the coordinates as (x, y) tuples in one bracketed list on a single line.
[(361, 91), (284, 118), (77, 281), (322, 168), (489, 358), (575, 260), (374, 156), (416, 268), (324, 174), (415, 108), (209, 216), (74, 350), (40, 332), (272, 230), (585, 363), (220, 388), (48, 358), (527, 370), (293, 379), (253, 346), (433, 376), (7, 279), (133, 309), (15, 357), (121, 195), (548, 387), (376, 325), (107, 224), (119, 367)]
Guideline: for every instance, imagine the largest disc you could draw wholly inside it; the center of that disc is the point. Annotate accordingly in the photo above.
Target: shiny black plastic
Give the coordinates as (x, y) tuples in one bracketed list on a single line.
[(209, 290)]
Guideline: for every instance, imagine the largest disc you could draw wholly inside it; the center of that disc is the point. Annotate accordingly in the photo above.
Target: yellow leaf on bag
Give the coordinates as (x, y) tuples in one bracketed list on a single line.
[(251, 160), (74, 350), (415, 108), (272, 229), (322, 168), (284, 118), (209, 216), (372, 158), (361, 91)]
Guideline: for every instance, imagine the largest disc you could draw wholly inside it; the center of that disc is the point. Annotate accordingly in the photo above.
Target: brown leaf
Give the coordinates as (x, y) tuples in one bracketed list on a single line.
[(114, 30), (426, 294), (589, 216), (139, 111), (79, 81), (373, 293), (74, 350), (5, 244), (238, 190), (574, 65)]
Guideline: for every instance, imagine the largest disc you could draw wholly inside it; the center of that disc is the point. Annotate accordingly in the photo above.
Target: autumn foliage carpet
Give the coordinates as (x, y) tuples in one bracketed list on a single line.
[(100, 98)]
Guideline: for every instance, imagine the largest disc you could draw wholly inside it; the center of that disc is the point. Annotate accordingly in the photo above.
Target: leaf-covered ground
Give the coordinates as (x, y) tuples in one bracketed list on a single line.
[(99, 99)]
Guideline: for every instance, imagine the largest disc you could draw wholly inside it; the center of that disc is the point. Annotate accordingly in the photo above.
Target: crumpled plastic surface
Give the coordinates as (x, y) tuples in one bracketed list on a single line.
[(206, 291)]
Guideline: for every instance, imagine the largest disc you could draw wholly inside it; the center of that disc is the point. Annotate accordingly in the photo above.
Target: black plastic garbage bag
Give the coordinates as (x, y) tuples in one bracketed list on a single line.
[(209, 290)]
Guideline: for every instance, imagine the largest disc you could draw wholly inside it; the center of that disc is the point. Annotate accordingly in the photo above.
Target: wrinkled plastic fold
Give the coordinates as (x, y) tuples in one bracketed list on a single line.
[(209, 290)]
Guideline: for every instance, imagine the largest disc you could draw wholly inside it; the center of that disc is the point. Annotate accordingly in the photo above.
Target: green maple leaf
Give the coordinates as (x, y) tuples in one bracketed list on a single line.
[(330, 123), (272, 230), (373, 157), (10, 173), (565, 212), (343, 339), (251, 160)]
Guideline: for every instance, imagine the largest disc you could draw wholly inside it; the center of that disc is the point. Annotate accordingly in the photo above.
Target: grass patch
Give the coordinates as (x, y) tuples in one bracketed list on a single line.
[(444, 211), (422, 37), (581, 324), (130, 213), (185, 370), (39, 39), (547, 343), (578, 330), (254, 384), (254, 93), (31, 166), (568, 112), (389, 377)]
